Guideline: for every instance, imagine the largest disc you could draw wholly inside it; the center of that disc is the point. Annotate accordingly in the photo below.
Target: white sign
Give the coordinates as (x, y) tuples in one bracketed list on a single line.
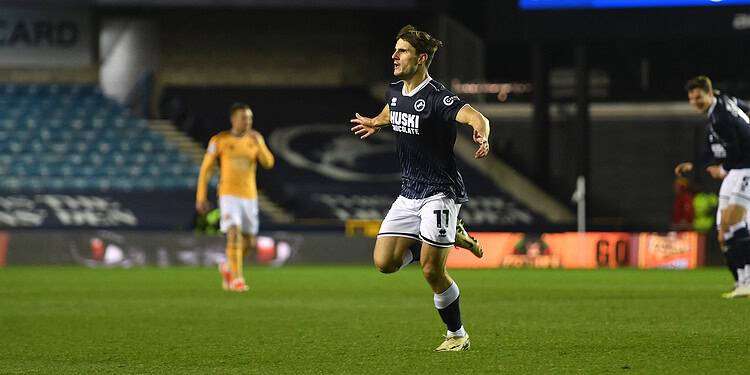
[(31, 37), (67, 210)]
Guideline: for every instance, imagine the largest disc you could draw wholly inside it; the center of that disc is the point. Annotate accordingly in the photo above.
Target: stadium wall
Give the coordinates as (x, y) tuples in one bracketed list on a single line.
[(132, 248), (84, 75), (60, 47), (128, 248), (271, 48), (331, 48)]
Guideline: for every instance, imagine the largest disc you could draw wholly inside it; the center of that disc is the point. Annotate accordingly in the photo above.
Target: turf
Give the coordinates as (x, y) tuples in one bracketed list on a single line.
[(352, 320)]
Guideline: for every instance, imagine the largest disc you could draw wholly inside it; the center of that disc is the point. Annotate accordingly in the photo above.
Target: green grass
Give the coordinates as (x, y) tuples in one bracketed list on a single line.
[(352, 320)]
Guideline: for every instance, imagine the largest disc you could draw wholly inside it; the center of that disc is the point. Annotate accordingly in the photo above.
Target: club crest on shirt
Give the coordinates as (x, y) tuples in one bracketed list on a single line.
[(419, 105)]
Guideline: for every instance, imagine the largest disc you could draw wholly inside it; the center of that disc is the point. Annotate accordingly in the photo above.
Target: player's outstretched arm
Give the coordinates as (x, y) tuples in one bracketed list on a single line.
[(365, 126), (470, 116), (265, 157), (206, 172)]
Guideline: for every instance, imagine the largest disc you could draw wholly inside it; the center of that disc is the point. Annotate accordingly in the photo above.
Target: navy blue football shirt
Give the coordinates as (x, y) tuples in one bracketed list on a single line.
[(424, 121), (729, 133)]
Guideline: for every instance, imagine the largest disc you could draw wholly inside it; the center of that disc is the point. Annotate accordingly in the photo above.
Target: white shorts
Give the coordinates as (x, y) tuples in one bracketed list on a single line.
[(432, 220), (734, 190), (239, 212)]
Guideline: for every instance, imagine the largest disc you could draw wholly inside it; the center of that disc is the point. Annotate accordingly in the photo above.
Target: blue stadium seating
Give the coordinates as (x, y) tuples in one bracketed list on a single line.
[(72, 137)]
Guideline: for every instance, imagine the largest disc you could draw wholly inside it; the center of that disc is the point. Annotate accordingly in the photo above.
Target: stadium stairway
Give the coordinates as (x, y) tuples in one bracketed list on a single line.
[(192, 148), (183, 142)]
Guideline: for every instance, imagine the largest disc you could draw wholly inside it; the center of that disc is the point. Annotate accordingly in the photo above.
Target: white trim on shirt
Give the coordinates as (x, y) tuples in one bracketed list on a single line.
[(416, 89)]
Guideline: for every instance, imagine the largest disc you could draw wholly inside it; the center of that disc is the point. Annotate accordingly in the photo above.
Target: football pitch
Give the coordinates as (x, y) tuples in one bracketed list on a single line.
[(353, 320)]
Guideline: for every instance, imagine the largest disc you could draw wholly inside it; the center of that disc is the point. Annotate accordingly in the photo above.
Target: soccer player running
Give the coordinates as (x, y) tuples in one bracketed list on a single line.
[(238, 152), (422, 224), (728, 159)]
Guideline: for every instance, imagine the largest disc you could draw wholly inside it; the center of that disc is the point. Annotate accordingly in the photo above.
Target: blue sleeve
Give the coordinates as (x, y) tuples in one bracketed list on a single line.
[(743, 106), (447, 105), (726, 129)]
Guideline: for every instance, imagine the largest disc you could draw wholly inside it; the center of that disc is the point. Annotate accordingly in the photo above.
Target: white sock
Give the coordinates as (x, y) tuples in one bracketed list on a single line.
[(743, 276), (406, 259), (460, 333), (447, 297)]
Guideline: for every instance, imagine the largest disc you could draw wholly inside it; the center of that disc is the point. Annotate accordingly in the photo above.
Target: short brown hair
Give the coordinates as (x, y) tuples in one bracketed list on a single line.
[(421, 41), (236, 107), (700, 82)]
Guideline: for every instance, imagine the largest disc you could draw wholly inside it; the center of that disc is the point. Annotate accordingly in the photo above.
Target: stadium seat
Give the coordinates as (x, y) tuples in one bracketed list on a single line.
[(71, 137)]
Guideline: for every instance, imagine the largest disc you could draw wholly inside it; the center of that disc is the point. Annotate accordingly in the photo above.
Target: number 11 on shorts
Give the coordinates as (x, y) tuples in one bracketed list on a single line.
[(439, 217)]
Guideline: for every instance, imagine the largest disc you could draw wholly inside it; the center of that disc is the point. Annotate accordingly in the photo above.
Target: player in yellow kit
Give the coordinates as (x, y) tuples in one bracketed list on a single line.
[(238, 152)]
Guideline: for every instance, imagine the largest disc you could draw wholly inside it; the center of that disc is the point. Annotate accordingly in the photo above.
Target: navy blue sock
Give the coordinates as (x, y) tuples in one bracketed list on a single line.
[(416, 252), (731, 258), (451, 316), (737, 243), (447, 306)]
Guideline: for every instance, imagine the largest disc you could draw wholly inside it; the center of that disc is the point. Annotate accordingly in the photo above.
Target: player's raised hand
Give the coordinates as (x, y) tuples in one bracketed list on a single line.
[(683, 168), (484, 146), (363, 126)]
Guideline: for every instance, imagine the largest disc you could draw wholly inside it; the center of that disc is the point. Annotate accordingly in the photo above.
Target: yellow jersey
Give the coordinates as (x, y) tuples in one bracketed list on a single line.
[(238, 157)]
